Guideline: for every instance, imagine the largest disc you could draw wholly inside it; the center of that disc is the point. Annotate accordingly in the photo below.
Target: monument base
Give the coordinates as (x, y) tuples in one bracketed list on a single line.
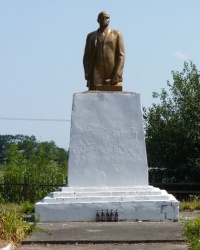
[(145, 203), (107, 164)]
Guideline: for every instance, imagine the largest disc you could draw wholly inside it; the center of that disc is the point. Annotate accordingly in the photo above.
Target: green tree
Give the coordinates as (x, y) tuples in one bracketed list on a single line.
[(31, 149), (6, 140), (36, 164), (14, 155), (173, 128)]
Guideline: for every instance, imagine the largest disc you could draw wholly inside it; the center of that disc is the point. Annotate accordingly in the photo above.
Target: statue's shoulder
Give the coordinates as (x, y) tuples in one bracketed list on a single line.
[(116, 32), (93, 33)]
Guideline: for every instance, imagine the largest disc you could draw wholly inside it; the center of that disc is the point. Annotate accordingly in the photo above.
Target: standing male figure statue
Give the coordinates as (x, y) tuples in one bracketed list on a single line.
[(103, 58)]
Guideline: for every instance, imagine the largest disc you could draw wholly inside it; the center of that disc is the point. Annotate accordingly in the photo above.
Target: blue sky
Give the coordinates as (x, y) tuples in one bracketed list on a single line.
[(41, 50)]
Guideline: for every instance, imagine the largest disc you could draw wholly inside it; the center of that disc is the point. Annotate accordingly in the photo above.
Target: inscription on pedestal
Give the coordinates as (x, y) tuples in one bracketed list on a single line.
[(107, 141)]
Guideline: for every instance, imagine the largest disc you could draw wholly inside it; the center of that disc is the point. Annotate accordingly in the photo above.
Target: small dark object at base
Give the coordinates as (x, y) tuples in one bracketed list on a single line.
[(98, 216), (112, 215), (116, 215), (103, 217), (107, 216)]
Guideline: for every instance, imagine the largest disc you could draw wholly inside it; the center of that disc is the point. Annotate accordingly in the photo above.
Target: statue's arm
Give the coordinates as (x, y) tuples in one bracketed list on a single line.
[(120, 55), (86, 58)]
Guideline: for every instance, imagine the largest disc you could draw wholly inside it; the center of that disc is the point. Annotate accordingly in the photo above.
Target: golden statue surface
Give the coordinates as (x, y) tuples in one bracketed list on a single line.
[(103, 58)]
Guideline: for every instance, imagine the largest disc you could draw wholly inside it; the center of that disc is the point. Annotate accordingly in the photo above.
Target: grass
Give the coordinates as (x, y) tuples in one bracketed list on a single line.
[(27, 208), (192, 204), (192, 227), (22, 208), (192, 232), (12, 226)]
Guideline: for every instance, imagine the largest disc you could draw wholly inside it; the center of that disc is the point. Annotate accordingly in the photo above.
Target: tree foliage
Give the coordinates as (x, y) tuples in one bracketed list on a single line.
[(6, 140), (20, 146), (173, 128), (35, 163)]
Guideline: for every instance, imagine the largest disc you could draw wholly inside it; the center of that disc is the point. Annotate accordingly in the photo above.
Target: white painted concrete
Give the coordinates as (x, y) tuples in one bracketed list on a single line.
[(107, 147), (74, 204), (107, 165)]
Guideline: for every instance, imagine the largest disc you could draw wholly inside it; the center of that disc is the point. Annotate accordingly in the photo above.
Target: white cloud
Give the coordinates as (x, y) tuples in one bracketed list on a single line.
[(180, 55)]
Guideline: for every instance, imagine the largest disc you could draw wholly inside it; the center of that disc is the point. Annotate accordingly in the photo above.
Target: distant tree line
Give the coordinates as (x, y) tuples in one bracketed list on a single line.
[(29, 148)]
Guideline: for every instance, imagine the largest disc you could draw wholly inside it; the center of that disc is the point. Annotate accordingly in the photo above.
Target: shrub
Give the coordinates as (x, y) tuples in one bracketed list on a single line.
[(192, 232), (12, 226), (27, 208), (32, 171)]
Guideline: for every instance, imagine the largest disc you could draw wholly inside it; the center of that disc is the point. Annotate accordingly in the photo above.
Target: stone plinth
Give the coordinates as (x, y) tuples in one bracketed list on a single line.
[(107, 147), (107, 164), (117, 87)]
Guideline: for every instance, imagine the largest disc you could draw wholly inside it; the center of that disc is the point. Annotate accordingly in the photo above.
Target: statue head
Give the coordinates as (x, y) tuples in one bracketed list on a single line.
[(103, 19)]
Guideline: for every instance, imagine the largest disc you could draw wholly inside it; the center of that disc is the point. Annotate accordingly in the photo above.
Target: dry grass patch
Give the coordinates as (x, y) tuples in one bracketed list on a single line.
[(12, 227)]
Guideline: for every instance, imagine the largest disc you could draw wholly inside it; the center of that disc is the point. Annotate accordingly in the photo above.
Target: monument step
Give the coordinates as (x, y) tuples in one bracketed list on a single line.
[(106, 198), (89, 194), (107, 189), (133, 203), (105, 194)]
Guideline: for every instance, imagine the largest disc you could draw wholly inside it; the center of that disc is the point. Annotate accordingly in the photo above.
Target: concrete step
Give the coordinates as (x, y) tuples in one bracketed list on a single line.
[(106, 198), (100, 194), (107, 189), (81, 204)]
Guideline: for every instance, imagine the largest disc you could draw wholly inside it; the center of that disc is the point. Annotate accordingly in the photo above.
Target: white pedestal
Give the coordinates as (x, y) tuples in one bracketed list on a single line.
[(107, 147), (107, 164)]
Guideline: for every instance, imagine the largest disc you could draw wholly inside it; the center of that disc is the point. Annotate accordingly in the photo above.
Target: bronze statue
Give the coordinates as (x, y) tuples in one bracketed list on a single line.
[(103, 58)]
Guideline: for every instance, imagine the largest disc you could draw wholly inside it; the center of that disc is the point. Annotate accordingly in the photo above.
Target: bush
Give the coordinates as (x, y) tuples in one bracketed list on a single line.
[(30, 177), (23, 184), (192, 232), (12, 226), (27, 208)]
